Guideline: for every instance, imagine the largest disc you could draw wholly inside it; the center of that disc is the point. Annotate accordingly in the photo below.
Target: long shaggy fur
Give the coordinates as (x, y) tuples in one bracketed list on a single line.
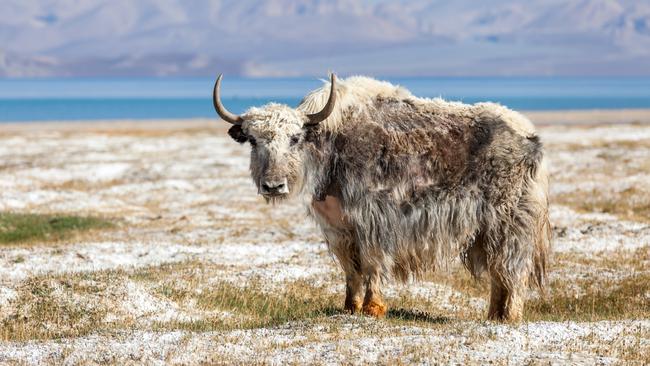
[(424, 180), (421, 181)]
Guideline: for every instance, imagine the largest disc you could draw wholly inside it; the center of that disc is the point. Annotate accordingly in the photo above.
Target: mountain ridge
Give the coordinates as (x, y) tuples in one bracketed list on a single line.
[(309, 37)]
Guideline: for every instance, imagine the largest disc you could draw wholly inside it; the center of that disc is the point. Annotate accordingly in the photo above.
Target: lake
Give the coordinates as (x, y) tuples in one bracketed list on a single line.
[(169, 98)]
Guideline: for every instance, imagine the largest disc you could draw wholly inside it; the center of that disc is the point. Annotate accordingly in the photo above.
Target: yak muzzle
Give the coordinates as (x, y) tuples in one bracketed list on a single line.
[(274, 187)]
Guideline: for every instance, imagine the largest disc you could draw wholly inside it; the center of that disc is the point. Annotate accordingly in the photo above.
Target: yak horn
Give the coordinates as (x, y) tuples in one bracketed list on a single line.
[(221, 110), (317, 118)]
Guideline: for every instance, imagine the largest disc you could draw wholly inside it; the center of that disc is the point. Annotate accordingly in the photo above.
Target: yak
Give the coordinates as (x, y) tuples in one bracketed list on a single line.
[(400, 185)]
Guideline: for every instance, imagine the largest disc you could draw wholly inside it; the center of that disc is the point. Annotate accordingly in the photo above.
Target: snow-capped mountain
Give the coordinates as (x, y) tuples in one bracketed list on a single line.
[(299, 37)]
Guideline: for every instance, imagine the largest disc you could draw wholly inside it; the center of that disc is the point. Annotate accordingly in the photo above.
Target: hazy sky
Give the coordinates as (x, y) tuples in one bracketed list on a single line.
[(309, 37)]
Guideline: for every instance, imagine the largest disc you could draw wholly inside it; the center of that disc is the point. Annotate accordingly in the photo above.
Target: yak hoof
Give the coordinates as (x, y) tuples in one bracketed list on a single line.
[(505, 316), (352, 306), (375, 309)]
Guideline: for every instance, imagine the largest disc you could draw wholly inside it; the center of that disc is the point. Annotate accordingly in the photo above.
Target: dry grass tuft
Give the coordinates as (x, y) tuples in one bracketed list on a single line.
[(82, 185), (253, 305), (609, 163), (260, 309), (630, 204), (53, 307), (616, 286), (601, 299)]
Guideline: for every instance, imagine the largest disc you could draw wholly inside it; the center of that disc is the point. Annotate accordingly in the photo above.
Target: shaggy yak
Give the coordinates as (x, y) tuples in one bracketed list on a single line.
[(401, 184)]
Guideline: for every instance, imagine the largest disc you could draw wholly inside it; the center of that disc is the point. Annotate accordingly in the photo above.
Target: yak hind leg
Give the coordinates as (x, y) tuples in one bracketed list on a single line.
[(508, 271), (516, 260), (373, 302), (506, 298), (506, 301)]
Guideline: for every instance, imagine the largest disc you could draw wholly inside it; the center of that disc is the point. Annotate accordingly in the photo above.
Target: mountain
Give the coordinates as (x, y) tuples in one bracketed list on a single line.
[(310, 37)]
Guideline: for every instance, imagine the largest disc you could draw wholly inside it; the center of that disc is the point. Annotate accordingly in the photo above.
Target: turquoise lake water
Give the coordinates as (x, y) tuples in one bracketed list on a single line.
[(149, 98)]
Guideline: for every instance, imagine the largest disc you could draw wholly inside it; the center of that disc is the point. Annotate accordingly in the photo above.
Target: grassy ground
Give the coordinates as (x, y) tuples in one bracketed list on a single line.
[(25, 227), (199, 270)]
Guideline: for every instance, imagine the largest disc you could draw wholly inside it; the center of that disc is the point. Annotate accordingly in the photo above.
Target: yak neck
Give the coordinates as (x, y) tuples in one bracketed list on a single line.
[(320, 167)]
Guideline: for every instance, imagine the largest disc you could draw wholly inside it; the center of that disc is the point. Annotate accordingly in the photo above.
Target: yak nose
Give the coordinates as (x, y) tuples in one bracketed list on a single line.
[(279, 186)]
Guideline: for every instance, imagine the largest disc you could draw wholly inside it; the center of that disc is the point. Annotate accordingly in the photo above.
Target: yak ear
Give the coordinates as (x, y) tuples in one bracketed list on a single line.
[(237, 134)]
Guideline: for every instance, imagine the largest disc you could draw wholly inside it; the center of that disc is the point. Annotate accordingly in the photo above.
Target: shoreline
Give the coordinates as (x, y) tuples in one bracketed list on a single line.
[(588, 117)]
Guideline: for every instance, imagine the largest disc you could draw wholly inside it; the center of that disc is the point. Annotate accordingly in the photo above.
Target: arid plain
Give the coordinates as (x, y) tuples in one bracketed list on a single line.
[(145, 242)]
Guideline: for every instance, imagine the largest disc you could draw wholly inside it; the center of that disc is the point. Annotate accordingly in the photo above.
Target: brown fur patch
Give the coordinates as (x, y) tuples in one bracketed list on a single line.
[(374, 309), (330, 210)]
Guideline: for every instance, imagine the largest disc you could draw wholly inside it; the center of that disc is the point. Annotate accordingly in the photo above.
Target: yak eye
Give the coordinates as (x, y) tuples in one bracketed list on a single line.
[(294, 140), (252, 141)]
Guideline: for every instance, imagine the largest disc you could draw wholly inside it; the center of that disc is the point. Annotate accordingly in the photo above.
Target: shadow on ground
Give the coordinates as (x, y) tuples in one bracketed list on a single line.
[(417, 315)]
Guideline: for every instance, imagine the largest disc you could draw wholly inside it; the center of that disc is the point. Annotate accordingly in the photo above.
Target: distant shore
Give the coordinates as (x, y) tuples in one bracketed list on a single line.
[(589, 117), (539, 118)]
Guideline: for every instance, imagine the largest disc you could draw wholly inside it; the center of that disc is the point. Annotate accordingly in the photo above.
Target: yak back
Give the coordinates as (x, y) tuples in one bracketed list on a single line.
[(417, 180), (404, 147)]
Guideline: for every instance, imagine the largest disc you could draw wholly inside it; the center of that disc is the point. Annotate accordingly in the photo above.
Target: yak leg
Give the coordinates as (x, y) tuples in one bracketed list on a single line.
[(340, 239), (497, 299), (505, 304), (512, 262), (353, 291), (509, 282), (344, 249), (346, 252), (506, 301), (373, 303)]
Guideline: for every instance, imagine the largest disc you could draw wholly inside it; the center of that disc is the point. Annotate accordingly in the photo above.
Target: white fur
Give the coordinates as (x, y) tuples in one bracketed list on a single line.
[(357, 91), (353, 92)]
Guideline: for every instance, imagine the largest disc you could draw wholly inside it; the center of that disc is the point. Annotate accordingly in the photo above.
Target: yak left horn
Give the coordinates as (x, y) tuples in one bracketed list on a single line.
[(221, 110), (317, 118)]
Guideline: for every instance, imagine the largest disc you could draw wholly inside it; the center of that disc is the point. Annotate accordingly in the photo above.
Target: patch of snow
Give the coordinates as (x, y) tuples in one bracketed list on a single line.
[(89, 257), (258, 258), (576, 343), (135, 301), (258, 254), (6, 295), (444, 297), (596, 232)]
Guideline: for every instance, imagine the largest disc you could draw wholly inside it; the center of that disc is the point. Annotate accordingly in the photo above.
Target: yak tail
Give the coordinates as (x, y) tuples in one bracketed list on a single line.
[(541, 253), (542, 244), (535, 158)]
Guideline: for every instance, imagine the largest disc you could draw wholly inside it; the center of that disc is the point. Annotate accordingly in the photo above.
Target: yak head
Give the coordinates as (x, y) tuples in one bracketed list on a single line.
[(277, 136)]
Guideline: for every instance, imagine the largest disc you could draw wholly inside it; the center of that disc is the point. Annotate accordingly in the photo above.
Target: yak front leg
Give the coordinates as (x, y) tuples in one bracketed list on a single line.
[(353, 291), (344, 249), (347, 253), (373, 303), (340, 238)]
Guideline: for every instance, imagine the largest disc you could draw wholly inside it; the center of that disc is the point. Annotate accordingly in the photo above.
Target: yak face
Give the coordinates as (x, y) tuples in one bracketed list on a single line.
[(276, 134)]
